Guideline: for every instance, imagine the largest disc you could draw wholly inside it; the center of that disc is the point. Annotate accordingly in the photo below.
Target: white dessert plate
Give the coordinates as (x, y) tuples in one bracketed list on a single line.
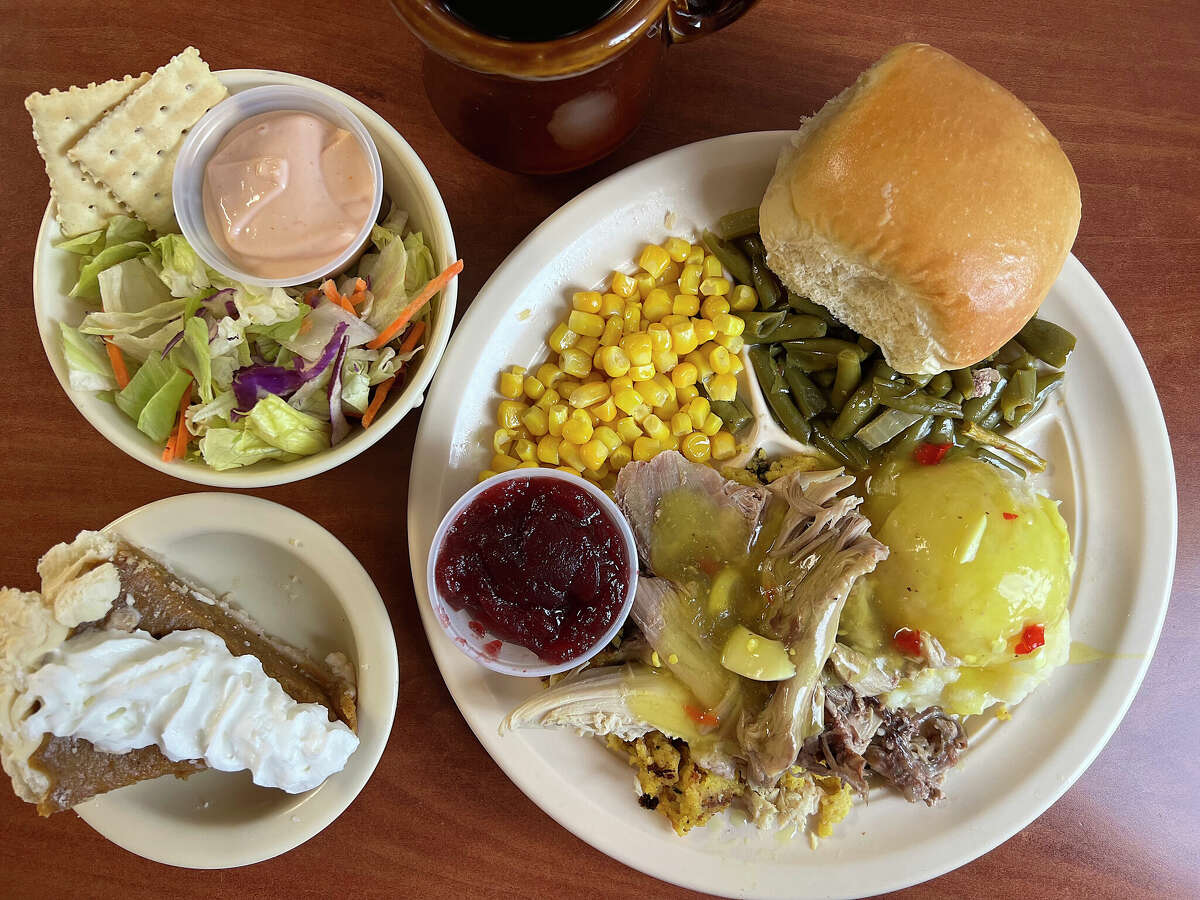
[(409, 185), (1110, 464), (301, 584)]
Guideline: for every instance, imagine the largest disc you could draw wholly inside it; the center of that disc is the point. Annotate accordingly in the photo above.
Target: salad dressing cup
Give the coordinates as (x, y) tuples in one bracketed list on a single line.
[(553, 106)]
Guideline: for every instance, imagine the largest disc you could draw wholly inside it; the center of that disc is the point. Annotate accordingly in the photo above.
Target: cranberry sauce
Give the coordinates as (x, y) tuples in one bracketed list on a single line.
[(539, 563)]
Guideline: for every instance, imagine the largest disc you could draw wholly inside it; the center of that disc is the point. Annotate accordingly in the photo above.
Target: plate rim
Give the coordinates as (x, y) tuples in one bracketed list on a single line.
[(368, 619), (484, 308), (249, 477)]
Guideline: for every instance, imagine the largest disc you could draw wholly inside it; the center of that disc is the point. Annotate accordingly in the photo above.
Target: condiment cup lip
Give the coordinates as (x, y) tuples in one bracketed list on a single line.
[(187, 183), (513, 659)]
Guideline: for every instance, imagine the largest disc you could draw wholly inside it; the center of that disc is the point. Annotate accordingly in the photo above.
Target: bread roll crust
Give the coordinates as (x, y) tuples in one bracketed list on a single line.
[(927, 207)]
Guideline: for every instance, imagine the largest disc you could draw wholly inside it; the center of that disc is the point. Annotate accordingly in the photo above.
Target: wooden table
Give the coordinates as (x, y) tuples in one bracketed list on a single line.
[(1117, 82)]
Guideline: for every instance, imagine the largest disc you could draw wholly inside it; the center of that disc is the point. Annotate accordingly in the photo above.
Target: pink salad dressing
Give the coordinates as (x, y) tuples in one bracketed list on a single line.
[(287, 192)]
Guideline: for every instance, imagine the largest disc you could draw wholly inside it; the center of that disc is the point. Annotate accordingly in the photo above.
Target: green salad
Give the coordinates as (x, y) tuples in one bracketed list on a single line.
[(229, 374)]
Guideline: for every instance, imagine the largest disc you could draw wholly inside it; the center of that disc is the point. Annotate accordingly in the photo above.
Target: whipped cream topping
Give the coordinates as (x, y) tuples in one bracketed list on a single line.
[(186, 693)]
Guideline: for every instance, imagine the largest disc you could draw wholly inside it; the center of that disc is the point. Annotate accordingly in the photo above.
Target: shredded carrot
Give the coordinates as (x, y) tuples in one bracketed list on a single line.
[(118, 363), (360, 292), (435, 285), (306, 325), (381, 393), (413, 337), (177, 443), (334, 297)]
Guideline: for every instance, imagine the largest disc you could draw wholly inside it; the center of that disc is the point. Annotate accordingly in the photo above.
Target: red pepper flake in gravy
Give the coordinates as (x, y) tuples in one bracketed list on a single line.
[(1032, 637)]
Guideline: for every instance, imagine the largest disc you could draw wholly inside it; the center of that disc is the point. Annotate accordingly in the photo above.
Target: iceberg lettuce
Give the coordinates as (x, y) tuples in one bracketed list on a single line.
[(292, 431), (88, 366)]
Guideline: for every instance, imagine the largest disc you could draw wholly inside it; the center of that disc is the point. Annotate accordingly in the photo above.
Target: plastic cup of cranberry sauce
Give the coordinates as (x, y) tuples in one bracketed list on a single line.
[(532, 572)]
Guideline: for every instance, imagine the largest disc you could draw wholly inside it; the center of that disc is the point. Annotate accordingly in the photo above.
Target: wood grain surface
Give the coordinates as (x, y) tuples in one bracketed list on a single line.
[(1118, 81)]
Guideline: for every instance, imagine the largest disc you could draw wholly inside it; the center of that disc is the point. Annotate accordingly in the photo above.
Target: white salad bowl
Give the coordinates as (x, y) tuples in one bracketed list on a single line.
[(409, 185)]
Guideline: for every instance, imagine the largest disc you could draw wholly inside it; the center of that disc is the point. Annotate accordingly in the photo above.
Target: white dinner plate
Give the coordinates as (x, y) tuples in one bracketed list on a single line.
[(1110, 465), (301, 584)]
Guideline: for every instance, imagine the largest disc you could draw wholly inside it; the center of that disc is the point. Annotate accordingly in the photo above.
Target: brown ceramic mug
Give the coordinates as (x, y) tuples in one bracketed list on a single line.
[(554, 105)]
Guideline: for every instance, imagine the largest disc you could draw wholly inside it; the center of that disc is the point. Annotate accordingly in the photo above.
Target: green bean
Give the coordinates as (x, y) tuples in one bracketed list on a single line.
[(729, 413), (807, 395), (1050, 343), (860, 407), (1019, 394), (942, 431), (919, 380), (885, 426), (999, 462), (989, 438), (788, 328), (823, 377), (977, 407), (964, 381), (992, 419), (867, 344), (764, 281), (907, 442), (849, 374), (766, 371), (811, 360), (940, 385), (1047, 384), (759, 324), (733, 259), (826, 345), (848, 453), (914, 400), (789, 417), (881, 371), (808, 308), (738, 224)]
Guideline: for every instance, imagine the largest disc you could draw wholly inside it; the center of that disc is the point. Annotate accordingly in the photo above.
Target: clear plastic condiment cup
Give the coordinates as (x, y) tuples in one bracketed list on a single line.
[(187, 184), (480, 644)]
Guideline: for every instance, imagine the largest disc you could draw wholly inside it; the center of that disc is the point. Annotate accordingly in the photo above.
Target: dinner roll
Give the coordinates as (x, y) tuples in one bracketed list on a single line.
[(926, 207)]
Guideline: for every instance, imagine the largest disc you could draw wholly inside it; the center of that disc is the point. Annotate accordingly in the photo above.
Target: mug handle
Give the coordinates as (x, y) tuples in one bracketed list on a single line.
[(690, 19)]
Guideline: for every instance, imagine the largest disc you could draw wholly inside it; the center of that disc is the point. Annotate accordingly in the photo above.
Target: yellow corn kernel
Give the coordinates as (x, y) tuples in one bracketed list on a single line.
[(586, 301), (717, 286), (711, 268), (627, 400), (687, 394), (689, 279), (526, 450), (631, 318), (656, 427), (638, 347), (696, 255), (681, 424), (705, 330), (612, 305), (735, 364), (620, 457), (671, 320), (645, 448), (653, 259), (664, 360), (645, 284), (613, 360), (672, 442), (589, 394), (723, 387), (656, 305), (571, 470), (664, 381), (598, 474), (549, 374), (683, 338), (623, 284), (502, 463), (508, 414), (698, 409), (652, 392), (556, 417), (642, 373), (620, 383), (718, 358), (669, 275), (666, 410), (562, 337), (547, 449), (660, 337), (684, 374), (722, 445), (485, 475), (606, 411), (608, 437), (530, 464), (712, 424), (533, 388), (502, 439), (628, 429), (578, 428), (700, 361), (614, 327), (639, 414), (697, 447), (510, 385), (743, 298), (685, 305), (594, 453), (588, 345), (714, 306), (587, 324), (536, 421), (728, 324), (568, 454), (677, 248), (731, 342), (574, 362)]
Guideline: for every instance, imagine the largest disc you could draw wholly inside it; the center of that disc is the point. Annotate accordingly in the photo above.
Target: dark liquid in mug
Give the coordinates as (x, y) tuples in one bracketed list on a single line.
[(529, 20)]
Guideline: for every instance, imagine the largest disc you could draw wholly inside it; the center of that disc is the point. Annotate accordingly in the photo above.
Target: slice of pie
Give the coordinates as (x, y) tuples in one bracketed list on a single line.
[(120, 671)]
